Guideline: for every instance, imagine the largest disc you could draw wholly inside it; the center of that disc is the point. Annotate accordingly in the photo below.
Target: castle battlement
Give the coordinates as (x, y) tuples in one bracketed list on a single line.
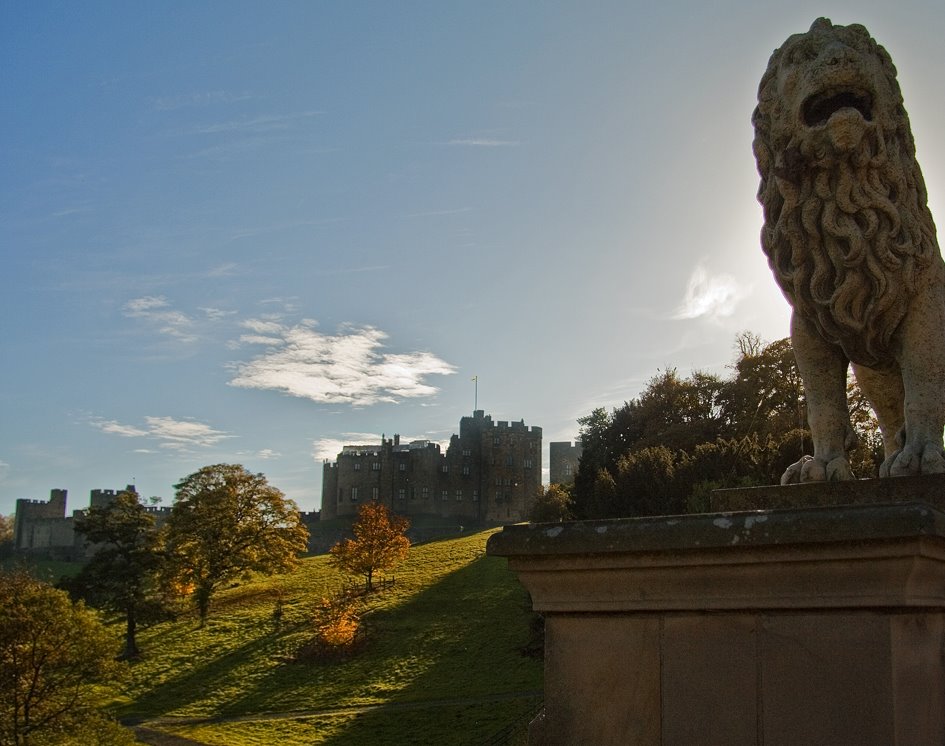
[(490, 473)]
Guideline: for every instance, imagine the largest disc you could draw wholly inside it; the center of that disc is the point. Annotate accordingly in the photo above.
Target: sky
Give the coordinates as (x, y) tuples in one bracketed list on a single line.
[(246, 232)]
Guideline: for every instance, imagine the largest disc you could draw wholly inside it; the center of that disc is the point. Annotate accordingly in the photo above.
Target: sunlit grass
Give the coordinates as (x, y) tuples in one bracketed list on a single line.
[(450, 628), (457, 725)]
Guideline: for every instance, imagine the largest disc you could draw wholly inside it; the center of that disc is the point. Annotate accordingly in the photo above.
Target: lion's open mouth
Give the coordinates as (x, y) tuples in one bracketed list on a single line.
[(820, 107)]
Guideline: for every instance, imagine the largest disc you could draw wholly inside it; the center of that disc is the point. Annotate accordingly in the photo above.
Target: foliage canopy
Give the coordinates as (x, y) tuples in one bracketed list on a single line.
[(665, 450), (226, 522), (122, 574), (53, 654), (379, 544)]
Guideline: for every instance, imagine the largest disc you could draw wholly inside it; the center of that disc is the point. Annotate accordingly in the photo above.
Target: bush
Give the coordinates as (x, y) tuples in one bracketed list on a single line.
[(337, 623)]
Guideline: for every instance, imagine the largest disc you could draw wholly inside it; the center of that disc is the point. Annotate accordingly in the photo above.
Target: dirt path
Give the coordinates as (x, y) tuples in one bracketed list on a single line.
[(157, 738)]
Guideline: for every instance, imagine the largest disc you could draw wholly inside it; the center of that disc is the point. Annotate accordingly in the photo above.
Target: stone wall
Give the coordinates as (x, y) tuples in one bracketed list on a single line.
[(794, 626)]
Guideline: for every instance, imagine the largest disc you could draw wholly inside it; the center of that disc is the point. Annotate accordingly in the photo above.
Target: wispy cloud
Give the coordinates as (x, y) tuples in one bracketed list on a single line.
[(283, 226), (208, 98), (350, 270), (223, 270), (113, 427), (710, 296), (289, 305), (156, 310), (327, 449), (264, 123), (69, 211), (169, 433), (438, 213), (216, 314), (4, 471), (483, 142), (347, 367)]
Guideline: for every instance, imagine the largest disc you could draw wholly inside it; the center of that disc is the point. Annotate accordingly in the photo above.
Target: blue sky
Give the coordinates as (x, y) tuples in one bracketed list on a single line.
[(248, 232)]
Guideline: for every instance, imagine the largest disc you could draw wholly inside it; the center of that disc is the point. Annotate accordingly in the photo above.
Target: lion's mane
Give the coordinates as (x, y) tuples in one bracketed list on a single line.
[(847, 234)]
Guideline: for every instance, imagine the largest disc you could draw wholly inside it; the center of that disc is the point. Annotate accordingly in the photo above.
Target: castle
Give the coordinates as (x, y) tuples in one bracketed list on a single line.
[(564, 458), (490, 473), (42, 527)]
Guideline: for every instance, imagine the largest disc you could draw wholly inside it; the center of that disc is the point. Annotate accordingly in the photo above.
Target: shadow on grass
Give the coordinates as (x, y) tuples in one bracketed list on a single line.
[(453, 651), (192, 679)]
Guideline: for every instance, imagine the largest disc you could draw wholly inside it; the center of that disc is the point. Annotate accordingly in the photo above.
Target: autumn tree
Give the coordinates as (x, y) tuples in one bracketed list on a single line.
[(226, 522), (54, 657), (122, 574), (379, 543)]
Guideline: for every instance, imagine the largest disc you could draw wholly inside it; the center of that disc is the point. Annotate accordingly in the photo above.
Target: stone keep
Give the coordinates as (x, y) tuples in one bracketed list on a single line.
[(852, 245)]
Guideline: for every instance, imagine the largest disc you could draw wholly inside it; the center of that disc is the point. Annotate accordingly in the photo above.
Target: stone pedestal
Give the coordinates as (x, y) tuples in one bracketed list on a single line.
[(821, 626)]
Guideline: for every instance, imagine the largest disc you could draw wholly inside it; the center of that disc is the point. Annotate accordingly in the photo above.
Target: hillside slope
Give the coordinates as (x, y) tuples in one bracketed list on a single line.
[(441, 662)]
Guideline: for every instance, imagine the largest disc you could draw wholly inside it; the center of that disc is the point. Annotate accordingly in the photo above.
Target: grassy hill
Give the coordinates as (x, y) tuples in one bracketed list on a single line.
[(441, 662)]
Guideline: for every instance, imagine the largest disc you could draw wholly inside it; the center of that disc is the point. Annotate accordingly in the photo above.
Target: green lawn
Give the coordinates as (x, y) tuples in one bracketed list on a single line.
[(441, 663)]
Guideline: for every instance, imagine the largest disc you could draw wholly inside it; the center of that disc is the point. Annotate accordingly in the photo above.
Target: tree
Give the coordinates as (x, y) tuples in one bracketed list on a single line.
[(6, 535), (646, 483), (226, 522), (766, 396), (552, 505), (122, 574), (53, 657), (379, 543)]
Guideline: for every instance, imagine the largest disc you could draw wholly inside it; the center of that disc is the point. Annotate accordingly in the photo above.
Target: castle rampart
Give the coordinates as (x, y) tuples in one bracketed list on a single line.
[(490, 473)]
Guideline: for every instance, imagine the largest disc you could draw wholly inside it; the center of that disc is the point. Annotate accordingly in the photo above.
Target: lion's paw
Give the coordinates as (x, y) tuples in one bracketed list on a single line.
[(792, 475), (838, 470), (908, 461), (810, 469)]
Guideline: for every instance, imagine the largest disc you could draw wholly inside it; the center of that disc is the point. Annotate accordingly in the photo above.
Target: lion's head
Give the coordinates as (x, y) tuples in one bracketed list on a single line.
[(847, 231)]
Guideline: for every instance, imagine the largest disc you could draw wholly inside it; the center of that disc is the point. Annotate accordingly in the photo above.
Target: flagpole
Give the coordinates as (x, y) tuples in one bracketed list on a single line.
[(476, 400)]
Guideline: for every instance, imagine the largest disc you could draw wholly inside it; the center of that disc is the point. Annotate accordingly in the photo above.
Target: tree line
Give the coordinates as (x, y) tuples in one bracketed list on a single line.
[(682, 437), (226, 522)]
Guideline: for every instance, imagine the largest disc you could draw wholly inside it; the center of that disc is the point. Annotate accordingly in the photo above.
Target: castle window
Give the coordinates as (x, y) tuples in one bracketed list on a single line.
[(425, 493), (445, 468), (467, 452), (357, 466), (459, 494), (475, 496), (402, 466), (374, 493), (446, 495), (509, 461), (376, 466), (465, 471), (567, 470), (495, 441), (528, 463), (498, 481), (354, 494), (401, 494)]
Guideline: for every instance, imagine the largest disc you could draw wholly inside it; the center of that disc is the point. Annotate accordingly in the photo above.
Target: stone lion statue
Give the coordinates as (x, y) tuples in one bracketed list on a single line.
[(852, 244)]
